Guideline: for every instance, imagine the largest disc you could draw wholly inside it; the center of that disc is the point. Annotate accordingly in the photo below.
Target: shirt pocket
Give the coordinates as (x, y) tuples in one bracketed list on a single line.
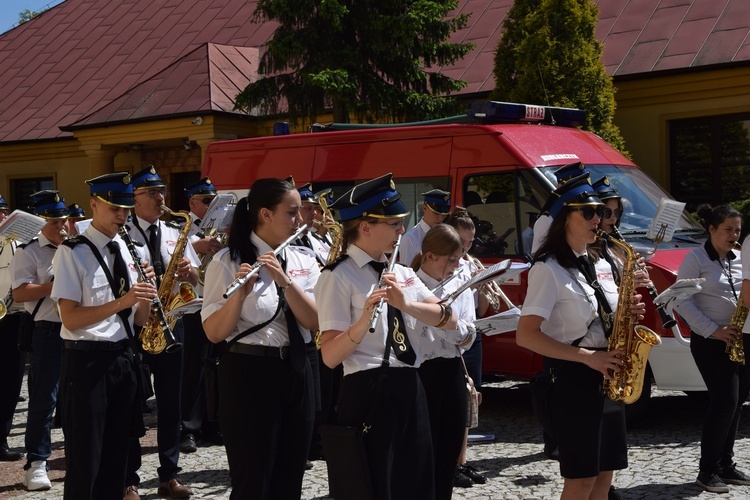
[(358, 304), (100, 288)]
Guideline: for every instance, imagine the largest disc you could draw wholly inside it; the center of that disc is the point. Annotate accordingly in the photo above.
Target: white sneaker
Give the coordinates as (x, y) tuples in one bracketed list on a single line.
[(36, 477)]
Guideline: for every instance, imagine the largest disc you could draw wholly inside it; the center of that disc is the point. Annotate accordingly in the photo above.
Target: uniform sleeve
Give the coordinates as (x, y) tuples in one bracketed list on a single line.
[(541, 294), (408, 248), (463, 308), (218, 277), (541, 228), (23, 268), (696, 320), (68, 283), (334, 302)]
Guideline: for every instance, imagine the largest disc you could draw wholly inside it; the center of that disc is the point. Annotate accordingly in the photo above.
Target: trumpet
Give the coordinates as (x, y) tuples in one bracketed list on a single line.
[(491, 289), (391, 264), (667, 319), (237, 283), (156, 306)]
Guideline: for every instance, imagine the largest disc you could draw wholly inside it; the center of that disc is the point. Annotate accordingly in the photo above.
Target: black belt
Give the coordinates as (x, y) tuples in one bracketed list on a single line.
[(88, 345), (261, 350), (48, 324)]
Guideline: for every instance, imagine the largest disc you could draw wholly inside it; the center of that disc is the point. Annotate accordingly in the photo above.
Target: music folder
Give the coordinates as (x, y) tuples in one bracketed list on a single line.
[(20, 227)]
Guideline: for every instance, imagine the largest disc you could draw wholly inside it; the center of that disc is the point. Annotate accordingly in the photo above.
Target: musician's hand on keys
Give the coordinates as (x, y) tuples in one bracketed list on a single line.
[(273, 266), (726, 334), (207, 246), (148, 270), (605, 362), (140, 292), (393, 290), (372, 302), (248, 288)]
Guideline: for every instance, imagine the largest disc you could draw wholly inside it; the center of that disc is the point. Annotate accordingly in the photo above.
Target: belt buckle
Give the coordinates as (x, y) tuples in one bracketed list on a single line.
[(281, 352)]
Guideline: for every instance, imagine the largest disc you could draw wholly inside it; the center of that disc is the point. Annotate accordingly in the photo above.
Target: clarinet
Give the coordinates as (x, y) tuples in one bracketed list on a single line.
[(156, 305), (237, 283), (667, 320), (391, 264)]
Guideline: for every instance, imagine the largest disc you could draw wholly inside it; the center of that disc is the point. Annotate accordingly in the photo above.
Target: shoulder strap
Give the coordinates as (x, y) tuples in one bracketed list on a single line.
[(252, 329)]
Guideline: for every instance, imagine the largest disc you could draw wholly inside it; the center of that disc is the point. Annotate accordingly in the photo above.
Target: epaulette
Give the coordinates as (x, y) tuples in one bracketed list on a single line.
[(72, 242), (173, 224), (23, 245), (335, 263), (541, 258)]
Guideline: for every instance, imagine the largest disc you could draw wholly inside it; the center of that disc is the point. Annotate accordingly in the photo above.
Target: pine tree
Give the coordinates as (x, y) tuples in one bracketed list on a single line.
[(375, 59), (549, 55)]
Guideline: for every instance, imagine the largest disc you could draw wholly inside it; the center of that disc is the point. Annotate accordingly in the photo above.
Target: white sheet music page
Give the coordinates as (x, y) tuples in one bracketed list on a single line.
[(21, 226), (219, 214), (667, 215)]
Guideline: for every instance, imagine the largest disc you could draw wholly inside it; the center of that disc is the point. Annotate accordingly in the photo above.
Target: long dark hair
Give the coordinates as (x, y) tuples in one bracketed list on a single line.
[(264, 193), (555, 244)]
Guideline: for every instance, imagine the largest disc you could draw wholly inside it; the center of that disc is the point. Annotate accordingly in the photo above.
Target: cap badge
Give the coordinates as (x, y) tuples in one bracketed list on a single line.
[(152, 169), (126, 179)]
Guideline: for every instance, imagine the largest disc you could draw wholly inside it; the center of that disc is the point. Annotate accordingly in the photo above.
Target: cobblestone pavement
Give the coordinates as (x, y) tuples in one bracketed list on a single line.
[(663, 456)]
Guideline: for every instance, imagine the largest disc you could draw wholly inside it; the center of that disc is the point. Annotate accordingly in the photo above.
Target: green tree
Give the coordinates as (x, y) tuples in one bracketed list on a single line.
[(549, 55), (27, 15), (375, 59)]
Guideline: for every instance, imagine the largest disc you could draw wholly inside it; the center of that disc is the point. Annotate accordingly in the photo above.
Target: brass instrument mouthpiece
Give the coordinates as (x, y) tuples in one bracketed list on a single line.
[(737, 245)]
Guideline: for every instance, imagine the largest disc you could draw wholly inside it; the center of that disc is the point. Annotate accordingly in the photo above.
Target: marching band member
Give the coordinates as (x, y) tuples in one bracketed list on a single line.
[(709, 314), (98, 381), (441, 369), (32, 285), (399, 448), (436, 206), (11, 367), (460, 219), (309, 238), (565, 318), (196, 347), (266, 405), (160, 239), (75, 214)]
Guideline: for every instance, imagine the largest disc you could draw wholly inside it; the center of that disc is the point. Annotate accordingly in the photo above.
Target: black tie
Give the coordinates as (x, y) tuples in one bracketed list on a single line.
[(120, 275), (605, 311), (396, 327), (154, 246), (296, 344)]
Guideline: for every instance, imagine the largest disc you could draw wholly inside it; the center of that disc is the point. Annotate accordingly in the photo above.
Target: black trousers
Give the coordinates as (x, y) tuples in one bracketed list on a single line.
[(266, 412), (98, 394), (11, 372), (399, 443), (166, 369), (196, 352), (445, 387), (728, 385)]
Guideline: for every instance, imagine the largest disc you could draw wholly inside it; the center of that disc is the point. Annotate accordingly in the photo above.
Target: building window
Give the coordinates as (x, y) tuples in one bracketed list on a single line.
[(22, 189), (710, 159)]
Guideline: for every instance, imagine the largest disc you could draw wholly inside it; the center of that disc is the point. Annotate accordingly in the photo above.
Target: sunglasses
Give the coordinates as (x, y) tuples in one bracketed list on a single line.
[(589, 211), (207, 200), (608, 213)]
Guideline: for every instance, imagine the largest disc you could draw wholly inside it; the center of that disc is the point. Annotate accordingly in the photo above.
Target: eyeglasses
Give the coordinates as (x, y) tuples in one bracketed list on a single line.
[(153, 193), (608, 213), (395, 224), (207, 200), (589, 211)]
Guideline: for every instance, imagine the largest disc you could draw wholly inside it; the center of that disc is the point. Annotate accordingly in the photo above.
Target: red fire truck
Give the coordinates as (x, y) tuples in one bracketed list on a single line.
[(498, 162)]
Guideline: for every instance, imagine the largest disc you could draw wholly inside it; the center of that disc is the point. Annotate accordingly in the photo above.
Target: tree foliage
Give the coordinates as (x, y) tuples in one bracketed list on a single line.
[(549, 55), (27, 15), (376, 59)]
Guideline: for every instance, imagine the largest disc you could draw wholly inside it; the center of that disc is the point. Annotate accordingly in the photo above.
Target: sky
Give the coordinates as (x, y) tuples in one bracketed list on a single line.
[(9, 10)]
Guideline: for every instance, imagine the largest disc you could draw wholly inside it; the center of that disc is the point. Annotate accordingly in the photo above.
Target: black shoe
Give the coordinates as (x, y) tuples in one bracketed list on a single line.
[(187, 445), (308, 465), (612, 494), (730, 475), (472, 473), (6, 455), (213, 438), (552, 453), (710, 482), (462, 480)]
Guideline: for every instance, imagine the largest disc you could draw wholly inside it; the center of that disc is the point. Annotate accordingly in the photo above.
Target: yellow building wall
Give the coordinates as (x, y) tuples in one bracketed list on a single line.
[(645, 107)]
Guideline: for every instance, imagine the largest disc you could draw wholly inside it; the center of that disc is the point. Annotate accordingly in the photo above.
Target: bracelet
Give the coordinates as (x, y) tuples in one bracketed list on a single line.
[(445, 317), (288, 284), (349, 334)]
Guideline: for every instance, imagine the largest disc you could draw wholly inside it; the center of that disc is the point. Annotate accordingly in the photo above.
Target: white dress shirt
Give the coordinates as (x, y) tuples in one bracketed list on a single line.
[(411, 242), (33, 264)]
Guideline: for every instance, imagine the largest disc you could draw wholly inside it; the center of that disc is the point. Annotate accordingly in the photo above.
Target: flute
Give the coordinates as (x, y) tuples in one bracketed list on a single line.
[(237, 283), (391, 264), (156, 305)]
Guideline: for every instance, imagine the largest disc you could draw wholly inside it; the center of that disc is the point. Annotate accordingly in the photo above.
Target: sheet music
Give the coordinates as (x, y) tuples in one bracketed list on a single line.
[(668, 215), (219, 214), (82, 225), (492, 272), (22, 226), (499, 323)]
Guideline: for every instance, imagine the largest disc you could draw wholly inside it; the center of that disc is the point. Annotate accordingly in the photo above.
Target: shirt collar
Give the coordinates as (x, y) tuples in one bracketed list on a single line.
[(360, 257), (98, 238), (261, 245), (43, 241), (144, 224), (713, 254), (423, 225), (428, 280)]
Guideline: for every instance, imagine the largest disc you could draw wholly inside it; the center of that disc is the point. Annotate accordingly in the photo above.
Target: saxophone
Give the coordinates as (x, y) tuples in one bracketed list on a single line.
[(154, 337), (634, 340), (736, 349), (331, 226)]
